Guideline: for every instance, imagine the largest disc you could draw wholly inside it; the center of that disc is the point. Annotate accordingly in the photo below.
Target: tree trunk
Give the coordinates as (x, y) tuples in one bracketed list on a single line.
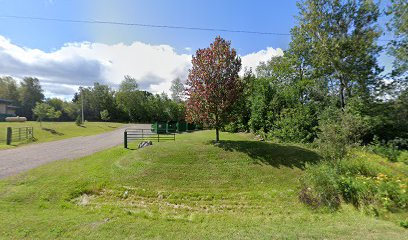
[(217, 133), (342, 97)]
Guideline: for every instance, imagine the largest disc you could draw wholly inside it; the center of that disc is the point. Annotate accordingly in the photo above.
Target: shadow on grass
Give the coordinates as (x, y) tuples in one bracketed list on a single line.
[(52, 131), (273, 154)]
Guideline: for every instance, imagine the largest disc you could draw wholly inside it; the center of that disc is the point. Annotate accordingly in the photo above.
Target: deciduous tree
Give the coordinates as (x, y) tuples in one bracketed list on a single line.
[(341, 37), (213, 84), (30, 93), (177, 90), (44, 110), (398, 47), (9, 89), (105, 115)]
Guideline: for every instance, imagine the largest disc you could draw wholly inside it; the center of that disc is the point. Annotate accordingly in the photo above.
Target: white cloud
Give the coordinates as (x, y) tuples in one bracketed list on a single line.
[(252, 60), (61, 71)]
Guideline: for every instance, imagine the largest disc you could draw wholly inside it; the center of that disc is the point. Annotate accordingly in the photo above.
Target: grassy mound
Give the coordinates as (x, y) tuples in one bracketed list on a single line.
[(190, 188)]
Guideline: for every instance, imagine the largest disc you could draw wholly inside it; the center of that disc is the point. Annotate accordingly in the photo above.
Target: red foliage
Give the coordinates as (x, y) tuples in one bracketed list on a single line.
[(213, 84)]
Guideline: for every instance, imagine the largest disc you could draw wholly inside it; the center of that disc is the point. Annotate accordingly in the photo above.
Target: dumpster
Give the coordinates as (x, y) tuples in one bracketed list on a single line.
[(181, 126)]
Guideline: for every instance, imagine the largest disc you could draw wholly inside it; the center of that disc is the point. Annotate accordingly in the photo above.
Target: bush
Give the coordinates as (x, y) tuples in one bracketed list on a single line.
[(403, 157), (404, 224), (236, 126), (391, 193), (338, 131), (400, 143), (78, 121), (360, 166), (357, 190), (105, 115), (295, 125), (358, 181), (319, 187), (331, 142), (387, 151)]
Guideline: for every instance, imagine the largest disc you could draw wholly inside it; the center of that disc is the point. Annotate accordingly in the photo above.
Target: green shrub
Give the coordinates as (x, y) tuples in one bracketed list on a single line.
[(295, 125), (403, 157), (404, 223), (400, 143), (392, 193), (235, 127), (357, 180), (78, 121), (380, 192), (357, 190), (331, 142), (387, 151), (359, 165), (338, 131), (319, 186)]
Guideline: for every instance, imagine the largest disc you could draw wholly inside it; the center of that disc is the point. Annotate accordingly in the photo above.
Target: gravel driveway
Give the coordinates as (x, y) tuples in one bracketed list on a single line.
[(20, 159)]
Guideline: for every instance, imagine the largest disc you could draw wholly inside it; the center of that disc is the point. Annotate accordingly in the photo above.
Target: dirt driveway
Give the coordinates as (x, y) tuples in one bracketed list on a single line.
[(17, 160)]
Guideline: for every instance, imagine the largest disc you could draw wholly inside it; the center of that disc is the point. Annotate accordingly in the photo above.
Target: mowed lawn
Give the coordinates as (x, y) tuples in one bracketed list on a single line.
[(187, 189), (52, 131)]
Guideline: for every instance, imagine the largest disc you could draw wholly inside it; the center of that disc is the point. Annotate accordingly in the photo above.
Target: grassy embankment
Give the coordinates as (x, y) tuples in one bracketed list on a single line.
[(190, 189), (52, 131)]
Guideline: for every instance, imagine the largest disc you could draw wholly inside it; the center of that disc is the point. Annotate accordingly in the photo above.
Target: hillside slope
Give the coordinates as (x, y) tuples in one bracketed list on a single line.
[(189, 188)]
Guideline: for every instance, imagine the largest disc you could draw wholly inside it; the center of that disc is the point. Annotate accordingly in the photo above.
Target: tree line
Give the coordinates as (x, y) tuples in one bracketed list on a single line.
[(327, 88), (100, 102)]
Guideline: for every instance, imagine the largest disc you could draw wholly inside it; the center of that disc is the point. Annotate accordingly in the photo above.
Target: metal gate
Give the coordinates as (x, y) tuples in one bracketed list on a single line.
[(146, 134), (19, 134)]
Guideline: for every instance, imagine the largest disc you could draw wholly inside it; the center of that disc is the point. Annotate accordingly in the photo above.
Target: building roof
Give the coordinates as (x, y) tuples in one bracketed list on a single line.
[(5, 100)]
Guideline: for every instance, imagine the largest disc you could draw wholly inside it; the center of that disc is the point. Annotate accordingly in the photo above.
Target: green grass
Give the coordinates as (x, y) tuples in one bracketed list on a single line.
[(52, 131), (187, 189)]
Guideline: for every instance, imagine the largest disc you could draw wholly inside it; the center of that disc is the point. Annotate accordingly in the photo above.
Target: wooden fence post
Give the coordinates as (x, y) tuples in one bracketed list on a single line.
[(125, 139), (9, 133)]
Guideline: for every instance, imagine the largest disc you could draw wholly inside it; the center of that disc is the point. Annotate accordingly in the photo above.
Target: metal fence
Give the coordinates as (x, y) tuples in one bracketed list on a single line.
[(172, 127), (146, 134), (19, 134)]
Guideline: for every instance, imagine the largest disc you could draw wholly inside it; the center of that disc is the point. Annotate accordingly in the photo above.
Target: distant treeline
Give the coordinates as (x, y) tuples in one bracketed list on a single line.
[(101, 102)]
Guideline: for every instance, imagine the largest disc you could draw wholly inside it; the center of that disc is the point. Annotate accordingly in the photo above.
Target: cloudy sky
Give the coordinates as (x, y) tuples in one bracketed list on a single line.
[(63, 70), (65, 55)]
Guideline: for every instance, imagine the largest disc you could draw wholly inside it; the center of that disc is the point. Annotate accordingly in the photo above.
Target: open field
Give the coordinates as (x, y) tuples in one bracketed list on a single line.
[(190, 188), (57, 130)]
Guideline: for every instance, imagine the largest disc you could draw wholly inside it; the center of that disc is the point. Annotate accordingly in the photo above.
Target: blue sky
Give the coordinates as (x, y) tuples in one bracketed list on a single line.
[(44, 41), (267, 16)]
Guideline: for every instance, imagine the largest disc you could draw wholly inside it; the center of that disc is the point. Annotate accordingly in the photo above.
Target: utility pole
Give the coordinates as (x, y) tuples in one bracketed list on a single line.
[(82, 106)]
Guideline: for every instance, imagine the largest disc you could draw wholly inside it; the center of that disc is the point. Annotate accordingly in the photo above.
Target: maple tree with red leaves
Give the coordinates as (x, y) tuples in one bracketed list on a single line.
[(213, 85)]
